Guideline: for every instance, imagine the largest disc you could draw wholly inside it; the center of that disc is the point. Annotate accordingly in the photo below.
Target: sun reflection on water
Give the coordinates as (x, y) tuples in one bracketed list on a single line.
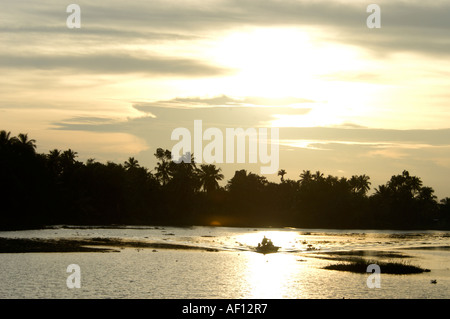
[(269, 276)]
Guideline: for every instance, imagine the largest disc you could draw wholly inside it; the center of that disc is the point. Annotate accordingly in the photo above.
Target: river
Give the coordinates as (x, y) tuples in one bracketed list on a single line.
[(227, 267)]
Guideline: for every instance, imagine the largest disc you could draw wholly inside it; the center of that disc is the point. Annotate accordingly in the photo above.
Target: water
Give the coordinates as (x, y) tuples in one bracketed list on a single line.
[(233, 271)]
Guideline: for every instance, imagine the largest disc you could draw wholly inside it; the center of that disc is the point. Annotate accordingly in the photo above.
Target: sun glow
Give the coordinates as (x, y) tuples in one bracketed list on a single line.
[(280, 62)]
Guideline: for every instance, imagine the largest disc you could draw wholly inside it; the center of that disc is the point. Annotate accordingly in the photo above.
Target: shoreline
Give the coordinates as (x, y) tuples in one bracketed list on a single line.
[(162, 226)]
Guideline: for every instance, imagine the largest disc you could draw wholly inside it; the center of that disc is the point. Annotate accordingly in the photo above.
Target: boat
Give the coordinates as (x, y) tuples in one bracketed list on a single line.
[(266, 247)]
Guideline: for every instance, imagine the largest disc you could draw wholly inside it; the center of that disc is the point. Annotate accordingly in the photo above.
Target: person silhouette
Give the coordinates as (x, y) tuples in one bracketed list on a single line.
[(264, 241)]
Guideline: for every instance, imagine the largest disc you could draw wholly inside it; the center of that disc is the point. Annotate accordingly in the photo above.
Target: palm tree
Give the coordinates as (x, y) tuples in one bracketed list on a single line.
[(306, 177), (24, 143), (23, 139), (163, 172), (415, 184), (209, 175), (5, 137), (69, 156), (364, 183), (333, 180), (406, 184), (163, 155), (5, 140), (281, 173), (67, 160), (53, 154), (318, 176), (184, 167), (360, 184), (132, 163), (426, 194), (54, 161), (383, 193)]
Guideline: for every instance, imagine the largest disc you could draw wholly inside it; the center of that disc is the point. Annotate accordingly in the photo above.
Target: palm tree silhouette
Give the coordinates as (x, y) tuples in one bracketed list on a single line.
[(163, 172), (360, 184), (23, 139), (209, 175), (164, 166), (69, 156), (163, 155), (406, 184), (306, 177), (53, 154), (54, 161), (5, 137), (132, 163), (22, 142), (318, 176), (281, 173)]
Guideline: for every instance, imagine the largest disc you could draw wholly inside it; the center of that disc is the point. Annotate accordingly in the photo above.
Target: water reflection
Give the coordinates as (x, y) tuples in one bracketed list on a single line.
[(270, 276), (232, 270)]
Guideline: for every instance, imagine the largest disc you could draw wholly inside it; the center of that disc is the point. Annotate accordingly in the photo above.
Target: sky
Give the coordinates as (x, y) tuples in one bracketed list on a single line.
[(347, 99)]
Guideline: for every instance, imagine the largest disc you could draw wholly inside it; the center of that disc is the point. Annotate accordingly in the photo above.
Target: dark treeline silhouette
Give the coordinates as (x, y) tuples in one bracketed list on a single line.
[(54, 189)]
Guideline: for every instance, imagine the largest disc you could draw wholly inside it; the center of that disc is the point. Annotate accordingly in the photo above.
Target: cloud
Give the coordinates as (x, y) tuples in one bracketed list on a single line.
[(156, 126), (435, 137), (353, 76), (388, 149), (103, 33), (388, 153), (160, 117), (113, 64), (226, 111), (92, 120), (224, 101), (407, 26), (100, 145)]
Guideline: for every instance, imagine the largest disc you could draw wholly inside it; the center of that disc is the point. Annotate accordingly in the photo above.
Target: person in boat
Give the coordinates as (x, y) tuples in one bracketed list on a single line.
[(264, 241)]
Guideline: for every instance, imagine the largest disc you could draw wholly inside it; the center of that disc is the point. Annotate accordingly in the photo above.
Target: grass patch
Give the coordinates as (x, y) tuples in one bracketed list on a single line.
[(26, 245), (367, 253), (96, 244), (359, 265)]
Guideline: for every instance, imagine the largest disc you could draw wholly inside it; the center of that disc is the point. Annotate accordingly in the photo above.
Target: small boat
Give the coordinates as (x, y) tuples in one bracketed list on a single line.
[(266, 247)]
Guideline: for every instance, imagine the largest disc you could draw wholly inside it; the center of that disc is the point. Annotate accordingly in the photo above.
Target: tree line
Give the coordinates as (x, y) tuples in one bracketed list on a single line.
[(38, 190)]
